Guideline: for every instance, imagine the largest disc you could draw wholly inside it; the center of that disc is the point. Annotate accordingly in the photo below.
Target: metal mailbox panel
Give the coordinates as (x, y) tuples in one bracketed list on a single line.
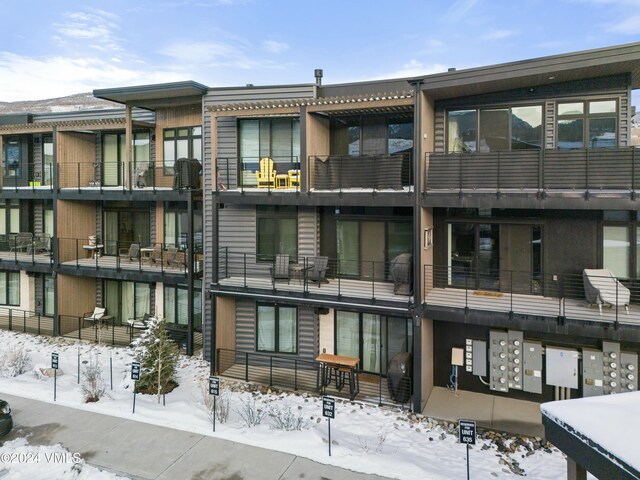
[(592, 373), (562, 367), (498, 361), (628, 372), (611, 366), (516, 338), (479, 350), (532, 367)]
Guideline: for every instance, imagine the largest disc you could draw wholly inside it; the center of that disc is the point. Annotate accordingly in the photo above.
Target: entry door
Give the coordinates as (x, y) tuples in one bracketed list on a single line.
[(372, 245)]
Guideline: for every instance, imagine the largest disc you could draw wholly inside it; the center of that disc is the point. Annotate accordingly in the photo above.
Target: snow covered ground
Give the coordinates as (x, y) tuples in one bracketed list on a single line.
[(366, 438)]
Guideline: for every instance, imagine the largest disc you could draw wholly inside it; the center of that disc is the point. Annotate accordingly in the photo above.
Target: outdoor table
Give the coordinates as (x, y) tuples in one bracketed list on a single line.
[(93, 251), (334, 364)]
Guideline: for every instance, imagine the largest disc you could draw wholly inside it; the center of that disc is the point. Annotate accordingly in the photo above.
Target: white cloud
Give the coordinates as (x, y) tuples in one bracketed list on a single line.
[(629, 26), (414, 69), (25, 78), (497, 34), (97, 27), (233, 54), (459, 9), (272, 46)]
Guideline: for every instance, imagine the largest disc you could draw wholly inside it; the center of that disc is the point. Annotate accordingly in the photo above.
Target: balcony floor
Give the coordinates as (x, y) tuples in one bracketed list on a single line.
[(576, 309), (380, 291), (25, 257)]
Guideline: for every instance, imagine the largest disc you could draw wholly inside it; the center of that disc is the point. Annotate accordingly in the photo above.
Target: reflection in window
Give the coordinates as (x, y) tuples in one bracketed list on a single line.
[(277, 232), (400, 136), (615, 251), (596, 123), (570, 133), (526, 127), (602, 132), (462, 126), (494, 130)]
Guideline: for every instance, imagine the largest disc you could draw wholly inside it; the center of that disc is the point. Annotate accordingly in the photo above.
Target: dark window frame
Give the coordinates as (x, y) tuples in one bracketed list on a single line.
[(176, 288), (632, 224), (190, 137), (586, 117), (274, 213), (276, 332), (5, 301), (45, 305)]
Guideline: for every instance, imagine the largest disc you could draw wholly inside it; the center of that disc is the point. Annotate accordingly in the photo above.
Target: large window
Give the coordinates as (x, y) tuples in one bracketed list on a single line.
[(277, 329), (126, 300), (372, 135), (374, 339), (176, 305), (184, 142), (114, 154), (11, 156), (9, 217), (47, 159), (277, 231), (594, 121), (494, 129), (49, 295), (10, 288), (176, 225), (123, 227), (621, 243)]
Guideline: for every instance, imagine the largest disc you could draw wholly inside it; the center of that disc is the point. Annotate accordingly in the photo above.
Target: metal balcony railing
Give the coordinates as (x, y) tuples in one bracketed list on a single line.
[(534, 294), (139, 176), (33, 176), (243, 173), (375, 172), (371, 281), (578, 169), (17, 320), (155, 258), (26, 247)]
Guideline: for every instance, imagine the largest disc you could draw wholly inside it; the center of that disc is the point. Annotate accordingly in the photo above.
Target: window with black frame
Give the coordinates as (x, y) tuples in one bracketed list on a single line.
[(12, 156), (276, 329), (10, 288), (182, 142), (494, 129), (176, 225), (587, 124), (48, 295), (277, 231), (176, 305)]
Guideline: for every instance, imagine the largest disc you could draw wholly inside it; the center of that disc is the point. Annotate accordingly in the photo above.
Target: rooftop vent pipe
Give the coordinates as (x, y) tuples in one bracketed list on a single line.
[(452, 69), (318, 74)]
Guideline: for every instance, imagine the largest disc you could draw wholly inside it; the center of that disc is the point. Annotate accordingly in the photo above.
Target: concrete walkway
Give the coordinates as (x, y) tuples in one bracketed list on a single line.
[(144, 451), (489, 411)]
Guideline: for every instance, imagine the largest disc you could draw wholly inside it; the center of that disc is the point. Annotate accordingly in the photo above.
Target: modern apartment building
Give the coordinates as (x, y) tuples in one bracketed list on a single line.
[(450, 216)]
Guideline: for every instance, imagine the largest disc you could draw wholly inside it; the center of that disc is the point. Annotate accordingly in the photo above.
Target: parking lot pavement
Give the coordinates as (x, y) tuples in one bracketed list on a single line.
[(144, 451)]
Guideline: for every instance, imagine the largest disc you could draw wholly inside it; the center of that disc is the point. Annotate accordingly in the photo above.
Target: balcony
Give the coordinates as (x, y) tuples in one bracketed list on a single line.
[(356, 173), (587, 171), (33, 177), (25, 247), (364, 283), (557, 297), (156, 259), (25, 321), (117, 176)]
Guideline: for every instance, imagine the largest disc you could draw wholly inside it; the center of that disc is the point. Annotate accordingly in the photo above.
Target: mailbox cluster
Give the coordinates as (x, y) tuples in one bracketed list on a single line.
[(516, 364), (608, 371)]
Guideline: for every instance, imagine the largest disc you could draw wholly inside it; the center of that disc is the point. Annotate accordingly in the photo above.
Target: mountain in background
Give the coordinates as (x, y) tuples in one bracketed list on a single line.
[(71, 103)]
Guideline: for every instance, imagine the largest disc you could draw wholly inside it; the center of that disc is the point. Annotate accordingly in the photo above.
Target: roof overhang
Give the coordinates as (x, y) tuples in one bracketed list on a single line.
[(155, 96), (622, 59)]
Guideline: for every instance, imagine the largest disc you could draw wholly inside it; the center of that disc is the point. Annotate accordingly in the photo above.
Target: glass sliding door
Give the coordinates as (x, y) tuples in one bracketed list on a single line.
[(348, 334), (489, 256), (126, 300), (348, 248), (462, 255), (616, 250), (371, 342), (113, 154), (122, 228)]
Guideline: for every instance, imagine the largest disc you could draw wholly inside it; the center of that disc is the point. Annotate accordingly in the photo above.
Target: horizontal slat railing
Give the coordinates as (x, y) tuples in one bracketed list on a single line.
[(369, 280), (520, 292), (579, 169)]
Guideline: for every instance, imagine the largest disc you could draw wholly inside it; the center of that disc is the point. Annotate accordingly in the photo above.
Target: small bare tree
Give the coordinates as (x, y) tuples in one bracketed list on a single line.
[(93, 385)]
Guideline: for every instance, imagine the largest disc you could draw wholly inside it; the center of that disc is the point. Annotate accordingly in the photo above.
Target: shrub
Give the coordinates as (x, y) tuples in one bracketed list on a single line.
[(250, 413), (93, 386), (15, 362), (285, 419)]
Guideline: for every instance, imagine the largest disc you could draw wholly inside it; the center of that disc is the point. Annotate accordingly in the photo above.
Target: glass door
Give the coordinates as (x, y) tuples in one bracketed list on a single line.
[(113, 154)]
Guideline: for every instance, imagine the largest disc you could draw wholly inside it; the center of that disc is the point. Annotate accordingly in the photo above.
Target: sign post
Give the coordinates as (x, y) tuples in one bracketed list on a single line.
[(214, 389), (467, 435), (329, 411), (135, 376), (54, 365)]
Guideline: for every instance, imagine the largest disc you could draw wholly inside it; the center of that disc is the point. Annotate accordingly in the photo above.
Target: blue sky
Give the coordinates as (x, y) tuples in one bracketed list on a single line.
[(55, 48)]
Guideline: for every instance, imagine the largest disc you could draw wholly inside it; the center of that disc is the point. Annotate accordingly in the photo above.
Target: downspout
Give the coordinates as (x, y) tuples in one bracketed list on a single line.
[(416, 308), (55, 242)]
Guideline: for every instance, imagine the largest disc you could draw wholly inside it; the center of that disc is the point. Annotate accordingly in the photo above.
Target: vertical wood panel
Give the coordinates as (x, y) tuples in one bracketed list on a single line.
[(73, 149), (76, 220)]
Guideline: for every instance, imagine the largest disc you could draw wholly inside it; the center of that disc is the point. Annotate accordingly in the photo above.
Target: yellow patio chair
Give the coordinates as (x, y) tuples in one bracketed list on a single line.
[(294, 178), (266, 176)]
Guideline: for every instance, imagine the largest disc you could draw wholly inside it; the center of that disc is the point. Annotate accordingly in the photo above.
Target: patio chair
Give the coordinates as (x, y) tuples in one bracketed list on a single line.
[(94, 317), (41, 244), (156, 256), (19, 242), (318, 271), (280, 268), (132, 253), (266, 176), (602, 287), (170, 256), (179, 260), (137, 324)]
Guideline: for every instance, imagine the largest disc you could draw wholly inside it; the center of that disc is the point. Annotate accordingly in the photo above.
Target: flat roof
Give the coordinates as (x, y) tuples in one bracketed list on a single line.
[(599, 433), (155, 95), (566, 67)]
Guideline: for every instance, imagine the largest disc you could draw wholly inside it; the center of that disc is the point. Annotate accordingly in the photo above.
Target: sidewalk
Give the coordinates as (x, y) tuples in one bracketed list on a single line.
[(144, 451), (489, 411)]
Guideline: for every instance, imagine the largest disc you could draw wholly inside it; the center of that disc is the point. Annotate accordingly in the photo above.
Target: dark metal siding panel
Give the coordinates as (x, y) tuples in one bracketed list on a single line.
[(38, 218), (37, 156), (99, 293), (208, 220), (549, 124), (624, 137), (99, 232), (249, 94), (245, 325), (39, 293), (307, 232), (152, 224), (237, 229)]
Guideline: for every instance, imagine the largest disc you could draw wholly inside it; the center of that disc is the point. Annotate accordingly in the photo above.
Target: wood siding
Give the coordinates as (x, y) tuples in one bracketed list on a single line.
[(73, 149), (76, 295), (83, 225)]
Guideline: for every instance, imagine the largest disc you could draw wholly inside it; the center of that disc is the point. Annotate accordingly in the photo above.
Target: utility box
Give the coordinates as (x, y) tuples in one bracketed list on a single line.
[(628, 372), (516, 339), (532, 367), (592, 373), (457, 356), (498, 361), (479, 349), (562, 367), (611, 367)]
